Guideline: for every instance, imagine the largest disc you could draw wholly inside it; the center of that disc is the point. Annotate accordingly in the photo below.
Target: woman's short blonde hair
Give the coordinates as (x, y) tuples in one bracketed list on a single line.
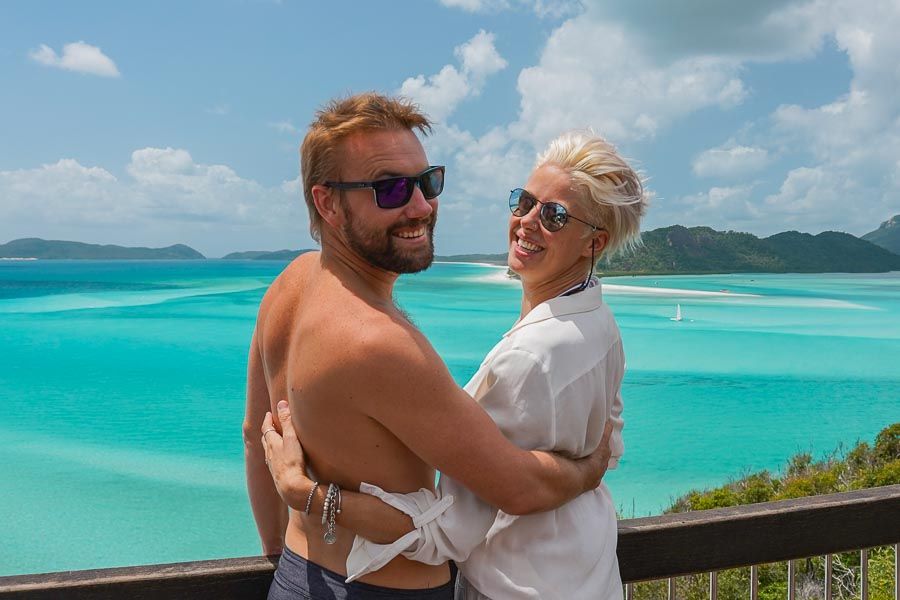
[(613, 191), (336, 121)]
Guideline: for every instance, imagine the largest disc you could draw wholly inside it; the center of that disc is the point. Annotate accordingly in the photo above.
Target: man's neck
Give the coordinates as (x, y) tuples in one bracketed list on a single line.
[(534, 293), (370, 283)]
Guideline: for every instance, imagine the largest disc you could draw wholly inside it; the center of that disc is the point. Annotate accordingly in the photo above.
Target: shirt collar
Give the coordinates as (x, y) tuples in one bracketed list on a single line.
[(588, 300)]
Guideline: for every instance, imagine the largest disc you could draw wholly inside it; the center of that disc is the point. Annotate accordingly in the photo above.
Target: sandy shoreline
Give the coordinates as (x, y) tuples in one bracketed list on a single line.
[(613, 288)]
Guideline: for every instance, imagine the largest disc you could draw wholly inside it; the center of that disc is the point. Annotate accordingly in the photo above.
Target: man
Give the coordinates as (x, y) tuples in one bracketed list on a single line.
[(371, 399)]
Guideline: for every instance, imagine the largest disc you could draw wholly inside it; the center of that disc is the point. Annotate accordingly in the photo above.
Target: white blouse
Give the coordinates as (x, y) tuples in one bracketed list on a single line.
[(550, 384)]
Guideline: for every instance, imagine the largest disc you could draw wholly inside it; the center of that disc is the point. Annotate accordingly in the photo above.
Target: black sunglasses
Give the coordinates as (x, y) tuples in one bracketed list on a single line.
[(395, 192), (554, 216)]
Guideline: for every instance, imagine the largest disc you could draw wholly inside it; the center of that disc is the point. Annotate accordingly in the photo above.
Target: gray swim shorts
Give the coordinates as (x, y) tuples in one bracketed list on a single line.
[(298, 579)]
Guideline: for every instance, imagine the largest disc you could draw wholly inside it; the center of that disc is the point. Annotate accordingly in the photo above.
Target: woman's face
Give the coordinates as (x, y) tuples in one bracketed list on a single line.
[(540, 256)]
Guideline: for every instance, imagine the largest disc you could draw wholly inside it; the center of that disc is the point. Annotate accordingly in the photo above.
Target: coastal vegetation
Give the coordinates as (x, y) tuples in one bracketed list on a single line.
[(863, 466), (887, 236)]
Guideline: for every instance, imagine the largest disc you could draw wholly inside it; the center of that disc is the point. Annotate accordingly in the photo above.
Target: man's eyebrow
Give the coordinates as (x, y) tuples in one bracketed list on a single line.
[(384, 174)]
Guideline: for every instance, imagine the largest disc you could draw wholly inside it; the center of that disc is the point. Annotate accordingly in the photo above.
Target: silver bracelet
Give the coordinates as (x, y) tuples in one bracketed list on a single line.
[(327, 504), (334, 492), (309, 500)]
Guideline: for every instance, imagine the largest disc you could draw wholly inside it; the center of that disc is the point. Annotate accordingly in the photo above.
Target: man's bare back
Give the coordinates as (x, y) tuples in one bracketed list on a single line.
[(310, 326)]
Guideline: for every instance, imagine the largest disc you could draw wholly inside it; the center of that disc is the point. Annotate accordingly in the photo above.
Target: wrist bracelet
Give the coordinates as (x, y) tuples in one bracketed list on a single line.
[(332, 500), (309, 499), (327, 504)]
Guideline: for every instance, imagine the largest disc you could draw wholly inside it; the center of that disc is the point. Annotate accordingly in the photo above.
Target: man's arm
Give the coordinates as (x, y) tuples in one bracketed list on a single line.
[(421, 404), (269, 511)]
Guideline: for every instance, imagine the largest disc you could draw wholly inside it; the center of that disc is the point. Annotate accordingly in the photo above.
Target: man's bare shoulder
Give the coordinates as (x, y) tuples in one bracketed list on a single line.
[(374, 353), (368, 334), (289, 281)]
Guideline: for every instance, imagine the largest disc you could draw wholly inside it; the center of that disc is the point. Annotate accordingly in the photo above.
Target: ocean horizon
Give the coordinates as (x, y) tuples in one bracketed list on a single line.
[(123, 390)]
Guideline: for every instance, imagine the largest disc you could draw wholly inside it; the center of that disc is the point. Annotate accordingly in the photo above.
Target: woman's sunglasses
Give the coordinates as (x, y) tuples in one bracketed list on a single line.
[(395, 192), (554, 216)]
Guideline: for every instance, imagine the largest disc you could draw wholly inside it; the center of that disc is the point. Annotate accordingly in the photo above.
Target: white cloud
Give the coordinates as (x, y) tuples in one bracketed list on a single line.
[(77, 56), (167, 196), (220, 110), (764, 30), (284, 127), (542, 8), (731, 161), (720, 207), (477, 5), (591, 74), (851, 143), (441, 93)]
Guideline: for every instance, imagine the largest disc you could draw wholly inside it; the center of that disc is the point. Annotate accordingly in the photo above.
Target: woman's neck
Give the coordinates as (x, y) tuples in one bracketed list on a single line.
[(534, 293)]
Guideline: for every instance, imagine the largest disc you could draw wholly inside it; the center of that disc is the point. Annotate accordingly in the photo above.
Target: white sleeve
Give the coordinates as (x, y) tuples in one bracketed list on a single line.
[(616, 367), (448, 525)]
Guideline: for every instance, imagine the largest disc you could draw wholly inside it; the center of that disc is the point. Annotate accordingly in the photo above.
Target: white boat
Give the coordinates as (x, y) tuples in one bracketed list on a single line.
[(677, 316)]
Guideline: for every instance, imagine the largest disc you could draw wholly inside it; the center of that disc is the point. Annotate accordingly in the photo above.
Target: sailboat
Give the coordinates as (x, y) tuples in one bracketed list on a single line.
[(677, 316)]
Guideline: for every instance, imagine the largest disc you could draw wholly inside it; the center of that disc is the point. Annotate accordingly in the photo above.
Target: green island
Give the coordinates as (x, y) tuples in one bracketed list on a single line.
[(702, 250), (887, 235), (863, 466), (36, 248)]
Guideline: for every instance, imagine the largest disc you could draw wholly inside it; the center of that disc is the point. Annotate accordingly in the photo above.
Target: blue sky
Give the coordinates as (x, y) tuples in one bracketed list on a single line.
[(179, 122)]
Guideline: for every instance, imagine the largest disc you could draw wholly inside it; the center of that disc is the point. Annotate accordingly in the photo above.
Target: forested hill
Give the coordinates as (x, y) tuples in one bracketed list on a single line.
[(887, 236), (55, 249), (678, 249)]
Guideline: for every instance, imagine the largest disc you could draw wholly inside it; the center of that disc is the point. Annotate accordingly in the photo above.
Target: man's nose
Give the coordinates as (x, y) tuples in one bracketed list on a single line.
[(418, 207)]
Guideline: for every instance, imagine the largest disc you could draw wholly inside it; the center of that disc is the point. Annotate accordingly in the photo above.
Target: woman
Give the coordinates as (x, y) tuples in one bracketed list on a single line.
[(552, 383)]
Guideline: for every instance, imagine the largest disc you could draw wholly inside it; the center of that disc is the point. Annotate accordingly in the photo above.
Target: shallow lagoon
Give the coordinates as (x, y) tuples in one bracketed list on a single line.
[(121, 389)]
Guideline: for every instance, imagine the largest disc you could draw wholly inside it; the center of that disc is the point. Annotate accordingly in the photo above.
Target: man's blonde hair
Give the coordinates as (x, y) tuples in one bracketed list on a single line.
[(613, 191), (339, 119)]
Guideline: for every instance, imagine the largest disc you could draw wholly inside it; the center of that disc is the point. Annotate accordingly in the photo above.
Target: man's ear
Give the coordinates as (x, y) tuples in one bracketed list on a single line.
[(598, 239), (327, 203)]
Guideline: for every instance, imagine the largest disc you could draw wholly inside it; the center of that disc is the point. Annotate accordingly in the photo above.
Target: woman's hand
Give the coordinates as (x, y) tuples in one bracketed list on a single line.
[(599, 458), (285, 458)]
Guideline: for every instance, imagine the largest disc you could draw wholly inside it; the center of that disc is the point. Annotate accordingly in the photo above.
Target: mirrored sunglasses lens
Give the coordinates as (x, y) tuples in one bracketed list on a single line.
[(520, 203), (432, 183), (392, 193), (553, 216)]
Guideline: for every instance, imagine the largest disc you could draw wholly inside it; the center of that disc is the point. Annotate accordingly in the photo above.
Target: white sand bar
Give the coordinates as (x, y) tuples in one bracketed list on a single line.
[(638, 290)]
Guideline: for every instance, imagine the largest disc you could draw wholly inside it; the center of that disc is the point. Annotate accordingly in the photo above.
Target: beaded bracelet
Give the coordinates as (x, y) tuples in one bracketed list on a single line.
[(309, 500)]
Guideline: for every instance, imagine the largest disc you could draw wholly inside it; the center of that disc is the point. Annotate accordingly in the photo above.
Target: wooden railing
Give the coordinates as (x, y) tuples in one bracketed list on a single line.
[(649, 548)]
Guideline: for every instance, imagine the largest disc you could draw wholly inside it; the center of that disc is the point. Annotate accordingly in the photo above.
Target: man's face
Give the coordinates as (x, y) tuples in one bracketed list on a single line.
[(400, 240)]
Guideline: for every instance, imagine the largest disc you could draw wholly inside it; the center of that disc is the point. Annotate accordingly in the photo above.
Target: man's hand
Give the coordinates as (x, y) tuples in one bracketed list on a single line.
[(596, 463), (285, 458)]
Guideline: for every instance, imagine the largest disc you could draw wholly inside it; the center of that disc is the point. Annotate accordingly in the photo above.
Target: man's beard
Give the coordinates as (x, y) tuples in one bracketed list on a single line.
[(380, 249)]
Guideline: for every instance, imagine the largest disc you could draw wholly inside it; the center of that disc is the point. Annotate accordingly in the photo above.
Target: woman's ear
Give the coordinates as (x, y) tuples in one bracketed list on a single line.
[(597, 242), (328, 205)]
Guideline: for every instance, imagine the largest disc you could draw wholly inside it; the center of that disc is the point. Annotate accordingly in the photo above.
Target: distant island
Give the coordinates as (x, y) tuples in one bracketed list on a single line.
[(667, 250), (265, 255), (887, 236), (677, 249), (55, 249)]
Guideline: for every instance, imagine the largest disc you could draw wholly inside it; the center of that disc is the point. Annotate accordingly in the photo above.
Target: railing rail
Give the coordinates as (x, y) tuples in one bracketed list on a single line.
[(649, 548)]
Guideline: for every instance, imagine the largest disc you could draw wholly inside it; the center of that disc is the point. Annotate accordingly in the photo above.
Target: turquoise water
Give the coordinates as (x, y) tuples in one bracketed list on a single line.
[(121, 389)]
